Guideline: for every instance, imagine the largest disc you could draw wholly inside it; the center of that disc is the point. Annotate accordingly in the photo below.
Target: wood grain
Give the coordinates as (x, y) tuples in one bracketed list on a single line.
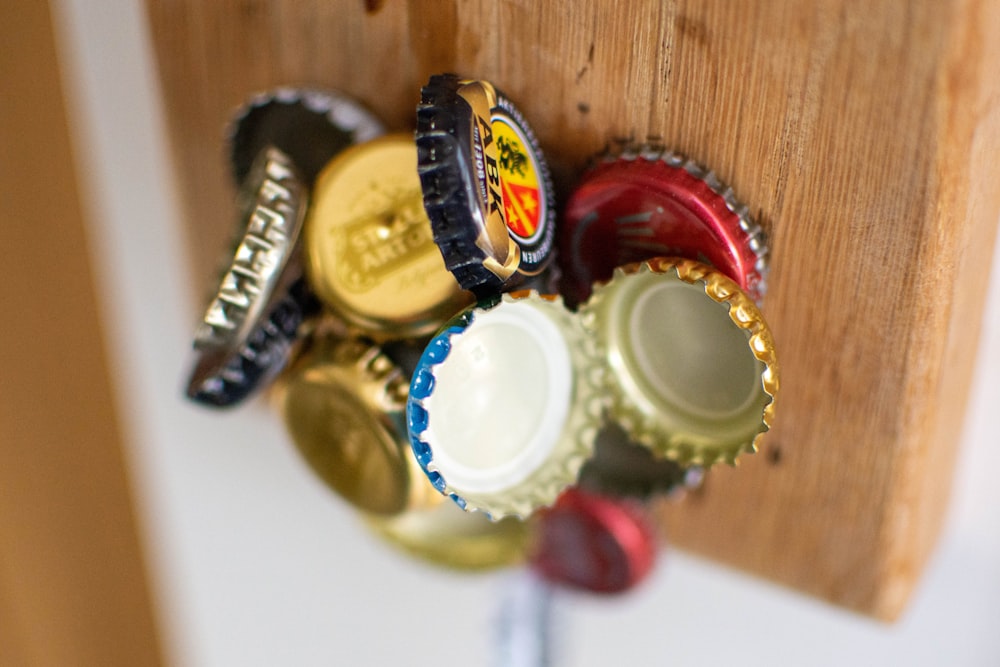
[(862, 136), (73, 586)]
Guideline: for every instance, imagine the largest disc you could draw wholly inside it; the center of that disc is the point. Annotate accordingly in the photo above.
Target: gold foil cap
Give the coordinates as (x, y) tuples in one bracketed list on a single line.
[(486, 184), (344, 407), (693, 372), (370, 252), (448, 537)]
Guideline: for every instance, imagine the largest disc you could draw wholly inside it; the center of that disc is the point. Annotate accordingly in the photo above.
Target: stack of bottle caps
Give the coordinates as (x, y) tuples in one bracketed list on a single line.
[(481, 400)]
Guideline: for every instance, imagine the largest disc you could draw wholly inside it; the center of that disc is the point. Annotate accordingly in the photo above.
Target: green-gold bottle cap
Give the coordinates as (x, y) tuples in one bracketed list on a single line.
[(693, 372)]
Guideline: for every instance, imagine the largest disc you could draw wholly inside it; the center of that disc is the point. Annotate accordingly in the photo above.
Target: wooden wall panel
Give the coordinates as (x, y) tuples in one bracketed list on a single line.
[(73, 587), (862, 136)]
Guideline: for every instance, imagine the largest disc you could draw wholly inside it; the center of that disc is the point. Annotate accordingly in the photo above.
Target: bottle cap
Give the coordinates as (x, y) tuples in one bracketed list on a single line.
[(504, 405), (344, 406), (624, 469), (593, 543), (310, 125), (646, 203), (486, 185), (246, 333), (369, 250), (444, 535), (223, 377), (694, 372)]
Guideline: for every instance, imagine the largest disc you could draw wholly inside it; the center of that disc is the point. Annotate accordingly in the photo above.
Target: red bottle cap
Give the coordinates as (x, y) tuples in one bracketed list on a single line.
[(653, 203), (593, 543)]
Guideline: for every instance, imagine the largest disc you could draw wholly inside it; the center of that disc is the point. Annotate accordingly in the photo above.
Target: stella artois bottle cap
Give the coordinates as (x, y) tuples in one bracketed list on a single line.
[(486, 185), (370, 254), (505, 405)]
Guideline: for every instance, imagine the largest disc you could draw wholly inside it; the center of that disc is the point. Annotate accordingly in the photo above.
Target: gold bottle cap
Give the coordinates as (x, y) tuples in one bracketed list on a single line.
[(693, 367), (344, 407), (370, 253), (445, 535), (505, 403)]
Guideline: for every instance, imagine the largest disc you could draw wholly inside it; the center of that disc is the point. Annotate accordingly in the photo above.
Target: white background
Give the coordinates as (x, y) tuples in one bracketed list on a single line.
[(254, 563)]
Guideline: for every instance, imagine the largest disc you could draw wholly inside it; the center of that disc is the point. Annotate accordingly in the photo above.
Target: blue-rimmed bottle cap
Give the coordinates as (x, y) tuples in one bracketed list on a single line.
[(486, 185), (505, 404)]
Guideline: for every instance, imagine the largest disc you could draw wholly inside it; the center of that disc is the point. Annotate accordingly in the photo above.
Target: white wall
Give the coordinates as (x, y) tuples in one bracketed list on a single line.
[(256, 564)]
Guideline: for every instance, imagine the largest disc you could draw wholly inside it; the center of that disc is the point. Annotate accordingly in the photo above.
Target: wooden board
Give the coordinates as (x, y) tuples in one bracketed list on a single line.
[(861, 134), (73, 585)]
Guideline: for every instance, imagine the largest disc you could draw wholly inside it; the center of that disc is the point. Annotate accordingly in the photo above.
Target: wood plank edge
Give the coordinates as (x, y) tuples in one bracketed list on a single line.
[(957, 271)]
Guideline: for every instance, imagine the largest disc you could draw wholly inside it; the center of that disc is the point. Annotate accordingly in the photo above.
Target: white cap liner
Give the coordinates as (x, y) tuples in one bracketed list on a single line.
[(500, 401)]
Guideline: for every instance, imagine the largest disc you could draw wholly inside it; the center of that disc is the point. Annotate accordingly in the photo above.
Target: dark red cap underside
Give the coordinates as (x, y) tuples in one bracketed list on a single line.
[(593, 543)]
